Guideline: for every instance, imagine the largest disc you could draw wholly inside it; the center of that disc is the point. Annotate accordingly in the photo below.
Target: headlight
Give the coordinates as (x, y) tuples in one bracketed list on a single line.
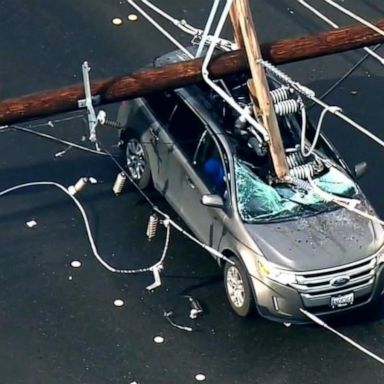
[(272, 272)]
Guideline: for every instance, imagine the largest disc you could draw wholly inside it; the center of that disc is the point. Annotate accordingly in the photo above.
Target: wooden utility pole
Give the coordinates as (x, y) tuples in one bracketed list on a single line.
[(246, 39), (178, 75)]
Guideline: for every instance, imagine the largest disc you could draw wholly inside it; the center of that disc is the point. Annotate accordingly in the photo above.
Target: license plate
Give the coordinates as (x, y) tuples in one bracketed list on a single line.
[(342, 301)]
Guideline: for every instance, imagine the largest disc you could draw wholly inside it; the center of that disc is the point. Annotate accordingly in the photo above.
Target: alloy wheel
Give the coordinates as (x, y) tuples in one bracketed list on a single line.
[(135, 159), (235, 287)]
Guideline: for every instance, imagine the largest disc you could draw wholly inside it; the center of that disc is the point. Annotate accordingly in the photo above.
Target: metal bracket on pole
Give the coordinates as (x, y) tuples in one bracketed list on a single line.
[(93, 120)]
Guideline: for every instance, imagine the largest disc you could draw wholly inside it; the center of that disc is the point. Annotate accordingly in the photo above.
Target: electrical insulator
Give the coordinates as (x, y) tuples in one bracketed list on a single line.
[(120, 181), (196, 308), (112, 124), (152, 226), (80, 184)]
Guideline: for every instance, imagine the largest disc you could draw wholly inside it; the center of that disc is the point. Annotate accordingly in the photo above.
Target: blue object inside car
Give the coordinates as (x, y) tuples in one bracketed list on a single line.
[(214, 169)]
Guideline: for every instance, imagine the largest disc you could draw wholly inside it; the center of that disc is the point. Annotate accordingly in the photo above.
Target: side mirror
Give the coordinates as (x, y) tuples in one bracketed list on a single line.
[(360, 169), (214, 201)]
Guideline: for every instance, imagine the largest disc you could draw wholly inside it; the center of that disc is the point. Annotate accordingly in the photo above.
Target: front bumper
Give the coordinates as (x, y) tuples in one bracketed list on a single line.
[(283, 303)]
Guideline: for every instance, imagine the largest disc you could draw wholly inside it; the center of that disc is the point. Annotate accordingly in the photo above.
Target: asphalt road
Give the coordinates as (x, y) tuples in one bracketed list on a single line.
[(59, 324)]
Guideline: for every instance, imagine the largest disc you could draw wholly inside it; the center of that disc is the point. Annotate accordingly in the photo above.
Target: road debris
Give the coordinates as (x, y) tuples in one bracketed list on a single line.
[(62, 153), (80, 184), (196, 308), (92, 180), (31, 224), (168, 315), (118, 303), (119, 184)]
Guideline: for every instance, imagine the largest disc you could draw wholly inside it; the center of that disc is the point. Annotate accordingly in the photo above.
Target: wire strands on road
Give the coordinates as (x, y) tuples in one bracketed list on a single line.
[(89, 231), (166, 218)]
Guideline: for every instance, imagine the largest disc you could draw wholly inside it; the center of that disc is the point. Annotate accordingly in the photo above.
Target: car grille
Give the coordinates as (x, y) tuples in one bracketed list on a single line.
[(316, 287)]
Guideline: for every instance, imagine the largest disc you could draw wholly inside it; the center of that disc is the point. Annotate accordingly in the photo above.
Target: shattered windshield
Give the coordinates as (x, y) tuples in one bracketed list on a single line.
[(259, 202)]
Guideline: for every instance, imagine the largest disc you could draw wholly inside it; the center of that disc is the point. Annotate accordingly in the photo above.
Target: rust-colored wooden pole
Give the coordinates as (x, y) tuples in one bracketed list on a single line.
[(246, 38), (181, 74)]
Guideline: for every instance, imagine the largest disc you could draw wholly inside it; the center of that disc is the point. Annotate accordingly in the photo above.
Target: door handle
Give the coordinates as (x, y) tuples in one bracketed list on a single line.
[(190, 182)]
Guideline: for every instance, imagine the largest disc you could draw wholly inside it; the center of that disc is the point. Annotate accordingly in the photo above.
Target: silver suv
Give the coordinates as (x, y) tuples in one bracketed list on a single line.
[(290, 249)]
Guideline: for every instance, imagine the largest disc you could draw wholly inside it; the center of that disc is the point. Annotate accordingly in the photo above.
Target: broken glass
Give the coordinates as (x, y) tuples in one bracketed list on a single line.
[(260, 202)]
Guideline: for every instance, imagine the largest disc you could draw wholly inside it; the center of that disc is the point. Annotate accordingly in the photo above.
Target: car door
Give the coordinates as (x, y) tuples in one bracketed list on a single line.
[(160, 106), (206, 174), (184, 130)]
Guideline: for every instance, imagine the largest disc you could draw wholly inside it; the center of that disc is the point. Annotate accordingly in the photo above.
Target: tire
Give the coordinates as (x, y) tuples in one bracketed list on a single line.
[(237, 287), (137, 160)]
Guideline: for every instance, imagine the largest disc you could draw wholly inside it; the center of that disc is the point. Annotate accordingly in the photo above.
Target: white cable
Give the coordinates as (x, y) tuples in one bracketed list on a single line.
[(230, 100), (159, 11), (318, 129), (334, 25), (189, 29), (46, 136), (208, 27), (88, 229), (205, 73), (311, 95), (320, 322), (209, 249), (160, 28), (349, 121), (167, 219), (356, 17), (349, 204), (182, 24)]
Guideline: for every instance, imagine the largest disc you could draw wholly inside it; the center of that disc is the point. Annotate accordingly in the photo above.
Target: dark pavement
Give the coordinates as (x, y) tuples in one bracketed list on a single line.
[(59, 324)]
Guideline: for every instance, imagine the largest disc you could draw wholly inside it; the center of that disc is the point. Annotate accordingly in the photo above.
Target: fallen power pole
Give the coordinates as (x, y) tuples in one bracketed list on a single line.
[(246, 39), (177, 75)]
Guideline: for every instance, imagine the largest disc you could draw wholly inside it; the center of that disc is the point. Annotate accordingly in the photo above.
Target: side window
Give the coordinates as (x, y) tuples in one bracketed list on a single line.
[(209, 165), (186, 128), (162, 105)]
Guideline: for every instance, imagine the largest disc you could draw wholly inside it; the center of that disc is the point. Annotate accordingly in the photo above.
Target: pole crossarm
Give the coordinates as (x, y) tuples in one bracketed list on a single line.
[(143, 82)]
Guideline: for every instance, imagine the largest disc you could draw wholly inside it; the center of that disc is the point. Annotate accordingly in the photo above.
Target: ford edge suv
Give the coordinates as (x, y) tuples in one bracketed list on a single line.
[(289, 248)]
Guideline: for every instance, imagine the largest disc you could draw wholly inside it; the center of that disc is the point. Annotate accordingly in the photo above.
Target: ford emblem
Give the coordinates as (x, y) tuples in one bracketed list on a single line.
[(340, 281)]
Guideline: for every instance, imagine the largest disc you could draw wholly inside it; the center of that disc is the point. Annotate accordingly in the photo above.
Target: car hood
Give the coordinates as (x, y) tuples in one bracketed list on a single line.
[(323, 241)]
